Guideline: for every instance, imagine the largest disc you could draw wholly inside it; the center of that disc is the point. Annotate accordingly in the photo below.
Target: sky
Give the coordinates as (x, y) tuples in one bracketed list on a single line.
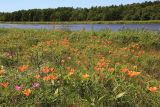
[(14, 5)]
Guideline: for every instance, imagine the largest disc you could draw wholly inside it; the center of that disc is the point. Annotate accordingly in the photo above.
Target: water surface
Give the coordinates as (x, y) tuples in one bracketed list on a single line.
[(114, 27)]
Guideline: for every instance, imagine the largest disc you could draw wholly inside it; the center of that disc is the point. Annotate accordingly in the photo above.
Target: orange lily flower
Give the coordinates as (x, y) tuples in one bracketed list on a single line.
[(132, 74), (111, 69), (5, 84), (62, 61), (46, 78), (78, 62), (49, 42), (71, 72), (96, 69), (37, 76), (26, 92), (152, 89), (124, 70), (53, 77), (73, 105), (101, 63), (23, 68), (46, 69), (52, 69), (65, 42), (85, 76), (134, 67)]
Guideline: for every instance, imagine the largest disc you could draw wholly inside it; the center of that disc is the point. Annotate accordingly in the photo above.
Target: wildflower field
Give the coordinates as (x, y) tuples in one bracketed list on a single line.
[(57, 68)]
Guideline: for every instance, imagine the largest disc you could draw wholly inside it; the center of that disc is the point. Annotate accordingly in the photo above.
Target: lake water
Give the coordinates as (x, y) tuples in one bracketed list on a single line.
[(114, 27)]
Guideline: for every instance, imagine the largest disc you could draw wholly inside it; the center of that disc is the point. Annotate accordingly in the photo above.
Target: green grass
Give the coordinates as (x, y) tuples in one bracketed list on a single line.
[(89, 22), (84, 68)]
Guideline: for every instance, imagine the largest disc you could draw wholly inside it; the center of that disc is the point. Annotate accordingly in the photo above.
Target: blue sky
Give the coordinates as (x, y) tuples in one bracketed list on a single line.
[(14, 5)]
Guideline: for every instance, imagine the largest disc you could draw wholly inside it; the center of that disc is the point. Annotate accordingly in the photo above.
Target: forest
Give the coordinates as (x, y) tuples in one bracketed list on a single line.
[(137, 11)]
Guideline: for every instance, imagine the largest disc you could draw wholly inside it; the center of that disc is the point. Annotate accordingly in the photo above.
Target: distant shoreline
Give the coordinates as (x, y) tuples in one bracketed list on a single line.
[(86, 22)]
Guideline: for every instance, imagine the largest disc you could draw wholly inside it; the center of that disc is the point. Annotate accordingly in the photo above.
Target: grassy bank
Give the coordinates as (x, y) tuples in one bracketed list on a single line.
[(90, 22), (79, 68)]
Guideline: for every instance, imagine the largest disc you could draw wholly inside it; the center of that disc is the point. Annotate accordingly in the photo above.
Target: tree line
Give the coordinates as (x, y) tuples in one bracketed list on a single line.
[(137, 11)]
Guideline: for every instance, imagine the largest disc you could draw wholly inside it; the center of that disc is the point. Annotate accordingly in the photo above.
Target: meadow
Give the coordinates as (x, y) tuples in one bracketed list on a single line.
[(46, 68)]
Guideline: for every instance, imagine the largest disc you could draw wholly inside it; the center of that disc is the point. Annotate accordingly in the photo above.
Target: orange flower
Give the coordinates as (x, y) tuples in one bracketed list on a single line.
[(1, 72), (23, 68), (124, 70), (111, 69), (65, 42), (78, 62), (101, 63), (53, 77), (134, 67), (71, 72), (132, 74), (68, 68), (96, 69), (27, 92), (73, 105), (5, 84), (37, 76), (46, 78), (101, 76), (125, 56), (49, 42), (117, 64), (46, 69), (152, 89), (52, 69), (85, 76), (62, 61)]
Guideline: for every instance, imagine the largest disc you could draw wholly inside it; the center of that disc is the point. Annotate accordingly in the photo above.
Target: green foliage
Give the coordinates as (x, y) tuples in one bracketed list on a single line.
[(85, 66)]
